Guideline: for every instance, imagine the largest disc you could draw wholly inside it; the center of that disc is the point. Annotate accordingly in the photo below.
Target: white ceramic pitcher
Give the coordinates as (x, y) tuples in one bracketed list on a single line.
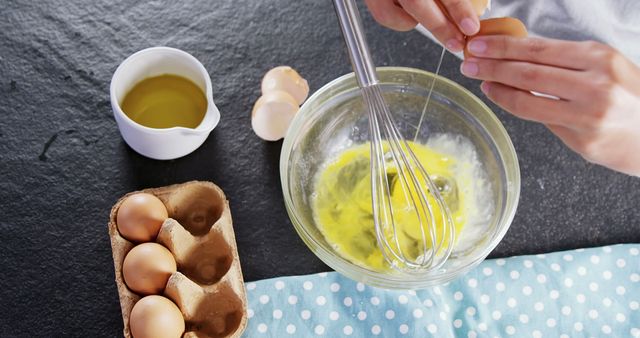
[(169, 143)]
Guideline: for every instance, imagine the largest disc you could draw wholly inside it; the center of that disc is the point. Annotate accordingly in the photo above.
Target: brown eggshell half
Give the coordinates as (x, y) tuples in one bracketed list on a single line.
[(499, 26), (286, 79), (272, 115)]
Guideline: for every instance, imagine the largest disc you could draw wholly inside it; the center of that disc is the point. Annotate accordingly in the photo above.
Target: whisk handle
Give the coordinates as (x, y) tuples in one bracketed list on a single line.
[(351, 25)]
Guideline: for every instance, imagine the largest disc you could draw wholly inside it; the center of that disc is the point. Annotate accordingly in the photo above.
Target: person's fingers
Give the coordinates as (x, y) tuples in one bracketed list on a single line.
[(432, 17), (563, 83), (566, 54), (527, 106), (391, 15), (463, 15)]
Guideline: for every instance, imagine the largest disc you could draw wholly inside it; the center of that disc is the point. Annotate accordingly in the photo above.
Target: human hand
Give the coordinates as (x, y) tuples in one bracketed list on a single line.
[(448, 20), (598, 110)]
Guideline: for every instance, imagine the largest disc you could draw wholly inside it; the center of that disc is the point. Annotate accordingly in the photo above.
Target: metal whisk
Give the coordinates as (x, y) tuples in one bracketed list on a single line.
[(395, 169)]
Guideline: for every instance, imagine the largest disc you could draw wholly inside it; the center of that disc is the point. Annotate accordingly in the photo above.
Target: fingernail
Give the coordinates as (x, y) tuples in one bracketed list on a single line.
[(469, 67), (477, 46), (454, 45), (485, 86), (469, 26)]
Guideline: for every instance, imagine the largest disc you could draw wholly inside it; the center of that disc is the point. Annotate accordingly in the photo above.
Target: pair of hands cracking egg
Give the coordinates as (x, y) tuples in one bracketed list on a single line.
[(453, 23), (283, 91)]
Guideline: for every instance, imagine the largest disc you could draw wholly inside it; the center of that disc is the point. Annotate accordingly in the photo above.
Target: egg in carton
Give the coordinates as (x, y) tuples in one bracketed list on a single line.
[(208, 286)]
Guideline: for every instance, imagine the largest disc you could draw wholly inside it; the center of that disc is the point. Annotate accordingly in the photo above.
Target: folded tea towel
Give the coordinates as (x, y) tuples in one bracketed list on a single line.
[(581, 293), (614, 23)]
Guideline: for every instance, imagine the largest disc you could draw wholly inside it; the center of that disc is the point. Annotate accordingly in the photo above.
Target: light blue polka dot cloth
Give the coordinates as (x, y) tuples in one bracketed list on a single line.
[(581, 293)]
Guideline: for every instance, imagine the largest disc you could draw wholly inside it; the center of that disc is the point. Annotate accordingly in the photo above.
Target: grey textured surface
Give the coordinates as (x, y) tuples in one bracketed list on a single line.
[(63, 163)]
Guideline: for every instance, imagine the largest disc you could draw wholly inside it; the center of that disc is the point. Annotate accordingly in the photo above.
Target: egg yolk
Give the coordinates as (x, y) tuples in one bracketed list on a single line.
[(343, 211)]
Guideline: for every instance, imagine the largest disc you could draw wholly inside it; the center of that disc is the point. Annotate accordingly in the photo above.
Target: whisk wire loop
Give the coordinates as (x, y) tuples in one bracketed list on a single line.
[(415, 185), (389, 152)]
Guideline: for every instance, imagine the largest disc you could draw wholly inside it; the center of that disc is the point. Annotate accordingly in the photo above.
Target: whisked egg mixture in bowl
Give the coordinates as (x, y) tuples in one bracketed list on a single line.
[(342, 206), (324, 171)]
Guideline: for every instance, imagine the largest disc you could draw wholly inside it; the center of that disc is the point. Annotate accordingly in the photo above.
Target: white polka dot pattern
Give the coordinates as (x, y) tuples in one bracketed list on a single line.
[(592, 293)]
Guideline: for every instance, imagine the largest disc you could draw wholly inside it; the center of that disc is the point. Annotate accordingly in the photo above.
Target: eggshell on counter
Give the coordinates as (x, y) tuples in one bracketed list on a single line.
[(272, 115), (287, 79)]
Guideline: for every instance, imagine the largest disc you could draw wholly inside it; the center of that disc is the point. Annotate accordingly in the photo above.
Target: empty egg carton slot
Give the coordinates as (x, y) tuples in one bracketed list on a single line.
[(211, 313), (197, 208), (204, 259)]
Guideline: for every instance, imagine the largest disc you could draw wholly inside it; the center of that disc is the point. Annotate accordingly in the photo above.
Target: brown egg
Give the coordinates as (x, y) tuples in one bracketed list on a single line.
[(500, 26), (147, 267), (156, 317), (140, 217)]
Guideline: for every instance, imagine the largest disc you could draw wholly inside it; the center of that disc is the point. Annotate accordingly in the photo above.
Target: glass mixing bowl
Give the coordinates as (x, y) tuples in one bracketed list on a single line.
[(334, 119)]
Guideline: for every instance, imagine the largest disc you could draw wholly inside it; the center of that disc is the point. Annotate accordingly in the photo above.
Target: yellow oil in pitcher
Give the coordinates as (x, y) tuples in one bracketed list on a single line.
[(165, 101)]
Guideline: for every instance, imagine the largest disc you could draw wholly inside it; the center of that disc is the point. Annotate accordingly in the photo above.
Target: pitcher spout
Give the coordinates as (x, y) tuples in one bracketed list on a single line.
[(210, 120)]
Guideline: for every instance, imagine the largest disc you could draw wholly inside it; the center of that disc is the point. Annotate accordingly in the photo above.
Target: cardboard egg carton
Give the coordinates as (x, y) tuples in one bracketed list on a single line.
[(208, 286)]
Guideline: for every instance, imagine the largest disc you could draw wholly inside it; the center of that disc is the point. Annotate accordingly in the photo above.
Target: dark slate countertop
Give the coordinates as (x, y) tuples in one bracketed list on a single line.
[(63, 162)]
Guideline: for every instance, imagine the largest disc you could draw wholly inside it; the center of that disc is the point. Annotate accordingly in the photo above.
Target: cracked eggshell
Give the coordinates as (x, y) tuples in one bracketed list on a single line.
[(499, 26), (481, 6), (503, 26), (285, 78), (272, 115)]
